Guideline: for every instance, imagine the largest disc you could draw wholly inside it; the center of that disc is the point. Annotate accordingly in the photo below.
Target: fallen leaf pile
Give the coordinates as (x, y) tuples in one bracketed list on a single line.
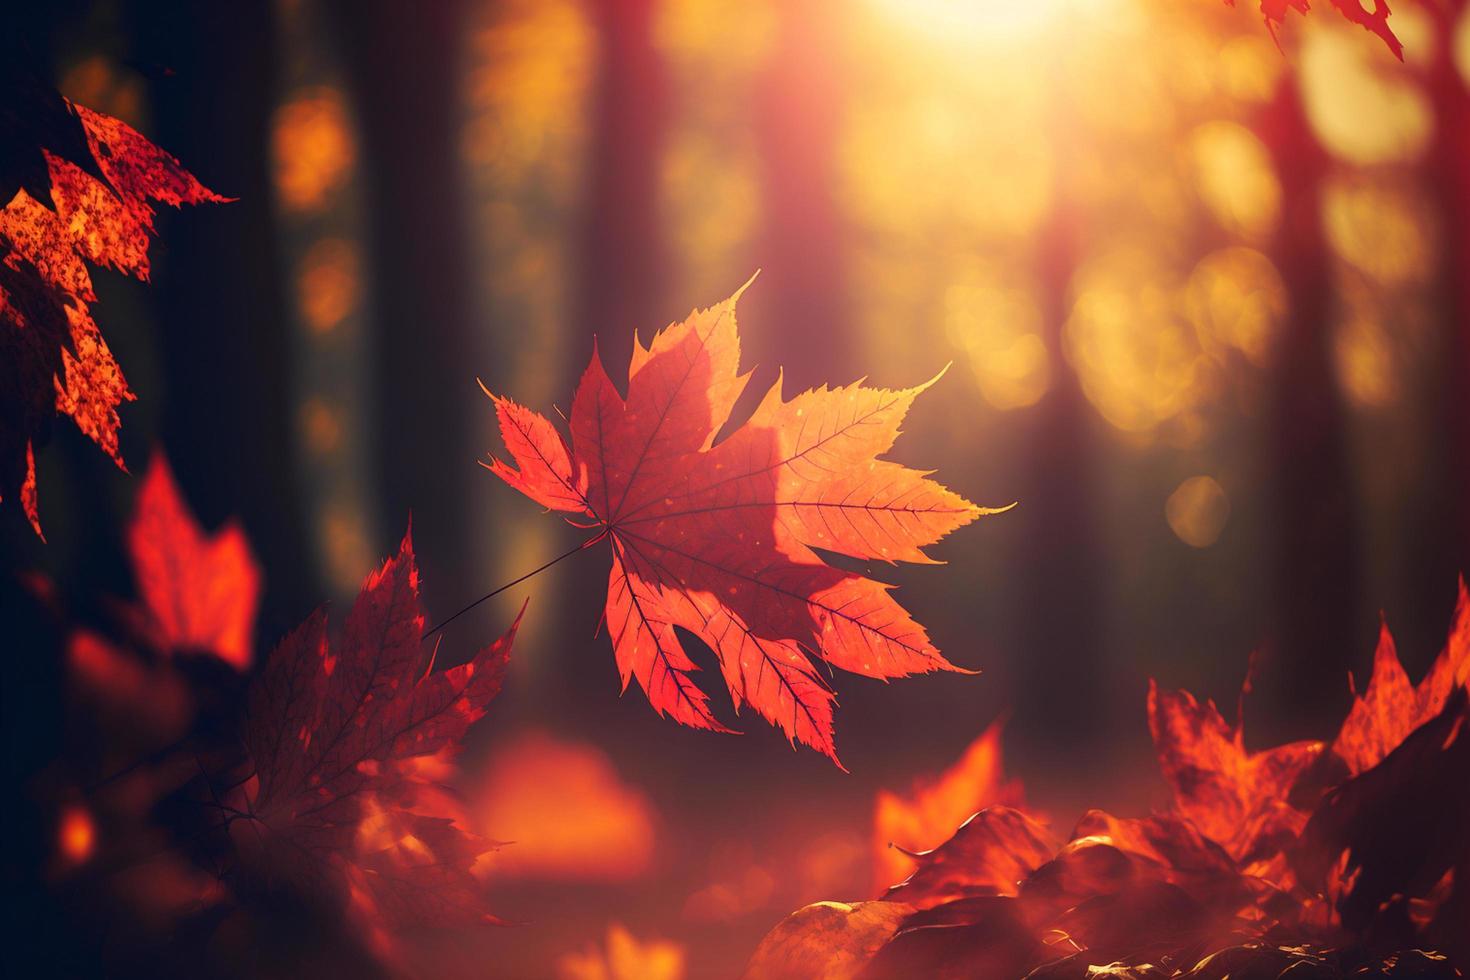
[(79, 188), (717, 538), (928, 814), (1321, 860)]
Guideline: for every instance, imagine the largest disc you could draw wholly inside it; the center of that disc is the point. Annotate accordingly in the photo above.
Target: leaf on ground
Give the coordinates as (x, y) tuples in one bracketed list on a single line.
[(1363, 875), (343, 735), (199, 590), (926, 816), (718, 539), (1237, 798), (94, 207)]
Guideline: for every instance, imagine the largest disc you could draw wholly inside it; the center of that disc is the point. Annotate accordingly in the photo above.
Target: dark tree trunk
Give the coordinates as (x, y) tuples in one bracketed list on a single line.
[(1311, 480), (402, 65)]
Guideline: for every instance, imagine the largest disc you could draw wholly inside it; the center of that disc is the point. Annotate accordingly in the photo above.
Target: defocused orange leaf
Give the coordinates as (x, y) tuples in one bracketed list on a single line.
[(928, 815), (338, 804), (199, 592), (569, 814), (95, 206), (624, 958), (718, 538)]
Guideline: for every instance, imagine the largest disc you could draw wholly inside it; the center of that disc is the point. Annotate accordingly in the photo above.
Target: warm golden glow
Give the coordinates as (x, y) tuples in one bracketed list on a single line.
[(1138, 358), (1197, 511), (999, 327), (960, 22)]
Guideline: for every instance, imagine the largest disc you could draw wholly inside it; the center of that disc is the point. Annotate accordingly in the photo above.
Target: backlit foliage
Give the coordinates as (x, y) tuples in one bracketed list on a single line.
[(1326, 859), (717, 538), (96, 210)]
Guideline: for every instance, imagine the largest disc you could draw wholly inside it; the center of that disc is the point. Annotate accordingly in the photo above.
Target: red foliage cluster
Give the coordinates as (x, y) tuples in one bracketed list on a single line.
[(718, 538), (330, 795), (95, 205), (1347, 858), (345, 740), (1374, 22)]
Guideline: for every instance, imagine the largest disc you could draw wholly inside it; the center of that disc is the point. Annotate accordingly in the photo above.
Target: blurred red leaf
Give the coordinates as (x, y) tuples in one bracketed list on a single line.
[(718, 538), (98, 209), (199, 591), (344, 736)]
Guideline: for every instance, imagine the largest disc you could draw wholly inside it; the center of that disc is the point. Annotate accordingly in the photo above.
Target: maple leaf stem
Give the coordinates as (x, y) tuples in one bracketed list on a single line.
[(155, 756), (495, 592)]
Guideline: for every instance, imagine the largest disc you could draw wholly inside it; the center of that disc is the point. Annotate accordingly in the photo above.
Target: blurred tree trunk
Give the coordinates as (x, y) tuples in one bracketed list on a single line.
[(1061, 588), (622, 286), (1450, 161), (403, 68), (1311, 482), (623, 254), (221, 314), (801, 297)]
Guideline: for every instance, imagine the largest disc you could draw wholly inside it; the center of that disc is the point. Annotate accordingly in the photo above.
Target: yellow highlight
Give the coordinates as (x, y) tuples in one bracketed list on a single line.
[(312, 149), (1363, 106), (1235, 180), (1197, 511), (1381, 226), (327, 283)]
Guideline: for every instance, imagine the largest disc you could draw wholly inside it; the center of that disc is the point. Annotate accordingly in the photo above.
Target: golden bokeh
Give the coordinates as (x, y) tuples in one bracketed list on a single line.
[(1365, 359), (1137, 355), (327, 283), (1382, 225), (1197, 511), (1234, 178), (312, 148), (997, 325), (1236, 301), (1362, 106)]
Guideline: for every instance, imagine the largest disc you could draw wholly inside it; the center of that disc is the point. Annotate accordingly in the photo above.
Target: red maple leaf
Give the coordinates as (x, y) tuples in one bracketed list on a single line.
[(718, 538), (346, 738), (1374, 22), (199, 591), (53, 358)]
